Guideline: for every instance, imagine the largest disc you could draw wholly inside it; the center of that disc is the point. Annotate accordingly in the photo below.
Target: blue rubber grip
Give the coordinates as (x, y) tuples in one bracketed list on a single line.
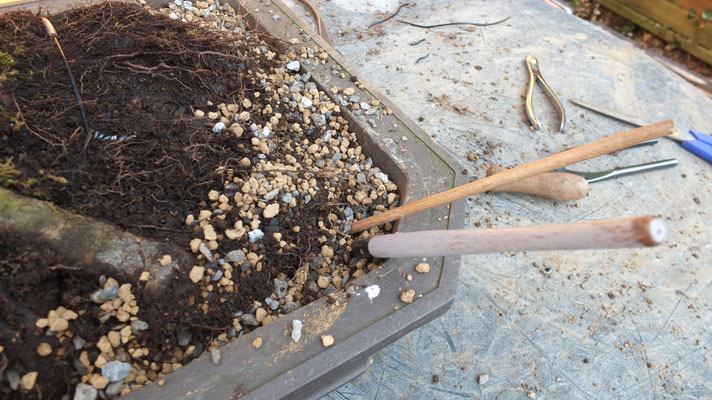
[(702, 147)]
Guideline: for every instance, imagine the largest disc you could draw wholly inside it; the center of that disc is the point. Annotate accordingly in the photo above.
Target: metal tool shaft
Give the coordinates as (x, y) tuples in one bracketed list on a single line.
[(53, 34), (614, 173), (609, 112)]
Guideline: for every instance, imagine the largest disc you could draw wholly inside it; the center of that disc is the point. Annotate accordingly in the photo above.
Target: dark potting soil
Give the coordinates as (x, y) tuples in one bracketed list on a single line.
[(147, 183), (141, 77), (33, 280)]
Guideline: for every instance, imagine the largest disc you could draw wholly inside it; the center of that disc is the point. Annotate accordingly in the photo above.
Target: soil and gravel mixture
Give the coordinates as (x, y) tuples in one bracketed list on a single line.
[(203, 134)]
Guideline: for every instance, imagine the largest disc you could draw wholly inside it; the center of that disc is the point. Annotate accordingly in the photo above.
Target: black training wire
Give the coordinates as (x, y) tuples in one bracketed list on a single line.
[(51, 31), (451, 23), (391, 16)]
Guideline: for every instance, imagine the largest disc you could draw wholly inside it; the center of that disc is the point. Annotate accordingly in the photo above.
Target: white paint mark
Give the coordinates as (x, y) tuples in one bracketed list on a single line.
[(373, 291)]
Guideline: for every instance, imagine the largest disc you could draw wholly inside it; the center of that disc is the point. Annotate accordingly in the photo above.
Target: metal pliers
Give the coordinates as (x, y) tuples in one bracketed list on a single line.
[(534, 75)]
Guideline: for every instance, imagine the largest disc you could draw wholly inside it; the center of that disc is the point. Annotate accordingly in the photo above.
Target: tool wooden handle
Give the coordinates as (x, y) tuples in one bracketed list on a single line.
[(547, 164), (611, 233), (553, 185)]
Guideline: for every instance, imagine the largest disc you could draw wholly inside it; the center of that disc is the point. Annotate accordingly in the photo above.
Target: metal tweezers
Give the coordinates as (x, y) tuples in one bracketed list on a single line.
[(535, 75)]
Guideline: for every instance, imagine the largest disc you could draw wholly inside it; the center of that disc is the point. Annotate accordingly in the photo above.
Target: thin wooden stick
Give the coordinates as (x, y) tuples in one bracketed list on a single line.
[(602, 234), (547, 164)]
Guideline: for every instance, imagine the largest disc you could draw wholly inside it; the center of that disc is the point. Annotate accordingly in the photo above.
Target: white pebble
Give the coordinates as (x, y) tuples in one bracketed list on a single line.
[(264, 134), (293, 66), (215, 356), (383, 177), (255, 235), (218, 127), (271, 195), (296, 330), (319, 120), (116, 370), (306, 102)]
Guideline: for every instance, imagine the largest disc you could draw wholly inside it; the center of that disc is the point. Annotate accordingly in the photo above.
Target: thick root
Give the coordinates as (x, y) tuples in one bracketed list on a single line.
[(89, 242)]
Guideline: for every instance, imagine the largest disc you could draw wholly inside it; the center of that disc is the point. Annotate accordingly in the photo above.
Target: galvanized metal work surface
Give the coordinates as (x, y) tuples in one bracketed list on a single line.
[(574, 325)]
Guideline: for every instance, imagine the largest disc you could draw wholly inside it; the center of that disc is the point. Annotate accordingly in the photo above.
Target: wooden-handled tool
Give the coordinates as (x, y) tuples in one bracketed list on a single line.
[(572, 185), (547, 164), (554, 185), (604, 234)]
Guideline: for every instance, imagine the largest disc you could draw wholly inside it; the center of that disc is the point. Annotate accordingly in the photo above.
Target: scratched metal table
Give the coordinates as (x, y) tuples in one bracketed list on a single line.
[(566, 325)]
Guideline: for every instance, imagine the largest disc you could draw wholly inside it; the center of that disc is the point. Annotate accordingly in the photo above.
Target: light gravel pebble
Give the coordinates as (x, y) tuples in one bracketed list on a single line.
[(205, 251), (296, 330), (319, 120), (138, 325), (116, 370), (102, 295), (271, 195), (13, 379), (287, 197), (218, 275), (113, 389), (255, 235), (235, 256), (306, 102), (215, 356), (85, 392), (184, 337), (78, 342), (217, 128), (250, 319), (383, 177)]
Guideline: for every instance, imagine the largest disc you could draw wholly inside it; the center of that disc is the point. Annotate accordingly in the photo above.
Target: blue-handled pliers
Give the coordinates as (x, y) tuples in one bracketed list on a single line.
[(698, 143), (693, 141)]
